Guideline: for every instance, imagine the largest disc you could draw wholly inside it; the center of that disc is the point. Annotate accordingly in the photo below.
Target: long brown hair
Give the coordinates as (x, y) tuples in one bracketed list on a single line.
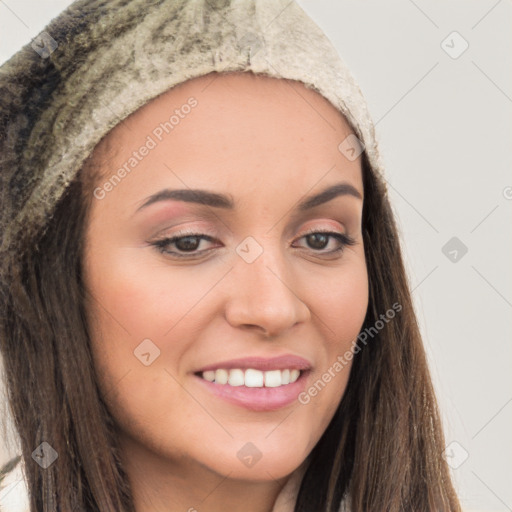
[(383, 447)]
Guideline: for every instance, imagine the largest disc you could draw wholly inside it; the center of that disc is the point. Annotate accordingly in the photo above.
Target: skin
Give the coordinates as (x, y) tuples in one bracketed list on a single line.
[(268, 143)]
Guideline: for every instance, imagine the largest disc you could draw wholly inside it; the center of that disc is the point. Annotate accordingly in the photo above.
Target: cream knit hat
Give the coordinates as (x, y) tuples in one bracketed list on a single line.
[(98, 62)]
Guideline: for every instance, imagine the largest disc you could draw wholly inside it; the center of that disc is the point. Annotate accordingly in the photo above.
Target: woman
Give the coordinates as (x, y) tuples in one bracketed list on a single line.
[(177, 333)]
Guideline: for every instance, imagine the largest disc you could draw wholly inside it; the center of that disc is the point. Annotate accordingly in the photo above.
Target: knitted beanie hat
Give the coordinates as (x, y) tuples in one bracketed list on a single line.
[(98, 62)]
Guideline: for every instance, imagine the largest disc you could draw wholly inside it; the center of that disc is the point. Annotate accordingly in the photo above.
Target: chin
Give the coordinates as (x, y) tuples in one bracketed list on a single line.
[(257, 461)]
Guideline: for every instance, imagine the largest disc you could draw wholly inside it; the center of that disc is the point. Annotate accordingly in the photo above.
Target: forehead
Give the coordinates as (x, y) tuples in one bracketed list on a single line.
[(228, 98), (239, 129)]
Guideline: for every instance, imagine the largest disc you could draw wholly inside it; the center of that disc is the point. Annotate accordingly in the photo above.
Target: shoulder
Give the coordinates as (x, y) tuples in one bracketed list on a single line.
[(13, 488)]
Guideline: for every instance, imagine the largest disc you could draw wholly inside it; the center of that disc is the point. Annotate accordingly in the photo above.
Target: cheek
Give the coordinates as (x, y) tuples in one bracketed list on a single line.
[(138, 308), (139, 297), (135, 309), (340, 299), (339, 306)]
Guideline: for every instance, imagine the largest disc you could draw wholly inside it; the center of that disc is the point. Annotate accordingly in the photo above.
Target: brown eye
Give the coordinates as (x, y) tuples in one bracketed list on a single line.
[(188, 243), (319, 240)]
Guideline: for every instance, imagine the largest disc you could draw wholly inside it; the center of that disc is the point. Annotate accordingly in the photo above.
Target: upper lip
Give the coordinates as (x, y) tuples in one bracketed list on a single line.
[(287, 361)]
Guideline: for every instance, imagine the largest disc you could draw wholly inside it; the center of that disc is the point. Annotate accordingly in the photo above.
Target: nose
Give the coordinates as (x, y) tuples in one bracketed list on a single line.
[(264, 297)]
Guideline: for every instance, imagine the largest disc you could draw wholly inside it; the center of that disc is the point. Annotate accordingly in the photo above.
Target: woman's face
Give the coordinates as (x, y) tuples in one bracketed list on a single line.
[(248, 284)]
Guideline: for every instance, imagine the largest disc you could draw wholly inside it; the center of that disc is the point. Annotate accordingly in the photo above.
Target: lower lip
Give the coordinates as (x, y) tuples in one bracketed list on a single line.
[(258, 399)]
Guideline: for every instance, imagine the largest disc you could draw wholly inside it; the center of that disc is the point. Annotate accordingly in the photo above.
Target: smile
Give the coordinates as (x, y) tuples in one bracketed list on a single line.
[(256, 383)]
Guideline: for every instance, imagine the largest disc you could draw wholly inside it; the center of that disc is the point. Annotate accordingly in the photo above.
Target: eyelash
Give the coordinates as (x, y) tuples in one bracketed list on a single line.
[(345, 240)]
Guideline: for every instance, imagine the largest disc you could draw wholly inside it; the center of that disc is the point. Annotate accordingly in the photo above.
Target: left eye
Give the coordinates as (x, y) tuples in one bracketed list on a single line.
[(189, 243), (318, 240)]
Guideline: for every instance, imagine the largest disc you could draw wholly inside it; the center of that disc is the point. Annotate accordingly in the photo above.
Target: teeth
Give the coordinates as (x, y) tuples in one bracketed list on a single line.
[(273, 379), (209, 375), (252, 378), (221, 376), (236, 378)]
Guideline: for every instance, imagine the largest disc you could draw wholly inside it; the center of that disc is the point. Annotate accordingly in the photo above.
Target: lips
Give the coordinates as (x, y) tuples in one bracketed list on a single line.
[(287, 361)]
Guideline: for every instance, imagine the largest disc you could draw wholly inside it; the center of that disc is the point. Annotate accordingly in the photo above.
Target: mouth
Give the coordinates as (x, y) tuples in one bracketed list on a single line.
[(256, 384)]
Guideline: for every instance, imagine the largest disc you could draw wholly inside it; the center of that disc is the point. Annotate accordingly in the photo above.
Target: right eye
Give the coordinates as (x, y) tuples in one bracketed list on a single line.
[(185, 243)]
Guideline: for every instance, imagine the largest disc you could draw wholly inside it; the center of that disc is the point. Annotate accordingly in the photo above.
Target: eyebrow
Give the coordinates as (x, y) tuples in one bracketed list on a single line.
[(204, 197)]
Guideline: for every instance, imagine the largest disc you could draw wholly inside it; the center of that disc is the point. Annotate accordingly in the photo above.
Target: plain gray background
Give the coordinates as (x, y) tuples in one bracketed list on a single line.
[(444, 124)]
